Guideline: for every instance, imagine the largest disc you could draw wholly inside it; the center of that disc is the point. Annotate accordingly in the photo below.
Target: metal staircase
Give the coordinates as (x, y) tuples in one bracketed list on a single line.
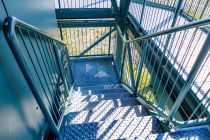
[(134, 69), (101, 108)]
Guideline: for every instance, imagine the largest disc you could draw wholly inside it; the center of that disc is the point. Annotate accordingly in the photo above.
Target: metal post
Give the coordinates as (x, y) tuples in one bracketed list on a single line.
[(124, 5), (59, 4), (142, 12), (121, 21), (198, 63), (176, 15), (110, 28), (61, 33), (177, 12)]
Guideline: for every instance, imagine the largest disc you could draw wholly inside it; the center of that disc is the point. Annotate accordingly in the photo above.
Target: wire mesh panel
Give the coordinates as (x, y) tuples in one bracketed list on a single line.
[(101, 40), (82, 4)]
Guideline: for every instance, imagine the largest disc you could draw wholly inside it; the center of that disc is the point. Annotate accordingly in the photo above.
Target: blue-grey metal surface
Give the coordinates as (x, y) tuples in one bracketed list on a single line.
[(112, 103), (113, 129), (84, 13), (200, 133), (45, 84), (86, 23), (101, 91), (103, 114), (38, 13), (101, 87), (21, 115), (94, 71), (78, 97)]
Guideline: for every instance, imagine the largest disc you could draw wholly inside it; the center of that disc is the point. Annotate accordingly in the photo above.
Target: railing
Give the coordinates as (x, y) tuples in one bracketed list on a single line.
[(44, 63), (82, 4), (166, 67), (89, 37), (157, 15), (171, 74)]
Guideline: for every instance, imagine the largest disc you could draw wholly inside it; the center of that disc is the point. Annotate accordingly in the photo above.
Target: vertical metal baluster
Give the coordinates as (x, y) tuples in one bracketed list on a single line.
[(53, 61), (19, 30), (191, 76), (42, 72), (142, 12)]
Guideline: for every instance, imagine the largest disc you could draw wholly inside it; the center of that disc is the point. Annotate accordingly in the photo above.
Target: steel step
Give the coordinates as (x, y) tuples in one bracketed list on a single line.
[(200, 133), (113, 129), (86, 105), (103, 114), (102, 87), (100, 91), (78, 97)]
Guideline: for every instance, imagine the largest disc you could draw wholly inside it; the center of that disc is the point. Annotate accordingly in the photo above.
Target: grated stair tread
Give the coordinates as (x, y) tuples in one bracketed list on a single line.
[(200, 133), (86, 105), (79, 97), (105, 113), (101, 91), (102, 87), (113, 129)]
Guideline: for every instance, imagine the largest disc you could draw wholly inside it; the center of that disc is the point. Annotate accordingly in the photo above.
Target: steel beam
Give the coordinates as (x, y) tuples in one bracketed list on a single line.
[(85, 23), (84, 13)]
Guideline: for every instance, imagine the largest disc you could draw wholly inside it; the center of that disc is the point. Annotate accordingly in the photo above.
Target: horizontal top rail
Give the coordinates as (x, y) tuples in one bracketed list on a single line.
[(16, 22), (198, 23)]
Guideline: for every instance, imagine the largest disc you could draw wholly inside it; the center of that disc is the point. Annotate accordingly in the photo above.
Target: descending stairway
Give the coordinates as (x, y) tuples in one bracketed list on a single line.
[(101, 108)]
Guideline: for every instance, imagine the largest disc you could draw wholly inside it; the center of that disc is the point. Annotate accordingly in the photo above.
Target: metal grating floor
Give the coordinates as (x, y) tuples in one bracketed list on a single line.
[(94, 71), (113, 129), (101, 108)]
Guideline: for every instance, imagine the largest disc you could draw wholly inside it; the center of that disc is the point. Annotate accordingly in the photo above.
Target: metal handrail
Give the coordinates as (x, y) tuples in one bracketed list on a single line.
[(9, 27), (198, 23), (13, 21), (196, 66)]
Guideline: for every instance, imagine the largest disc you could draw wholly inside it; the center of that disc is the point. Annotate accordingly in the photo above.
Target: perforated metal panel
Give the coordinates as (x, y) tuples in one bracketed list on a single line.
[(196, 134), (101, 87), (77, 97), (104, 114), (103, 104), (113, 129)]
